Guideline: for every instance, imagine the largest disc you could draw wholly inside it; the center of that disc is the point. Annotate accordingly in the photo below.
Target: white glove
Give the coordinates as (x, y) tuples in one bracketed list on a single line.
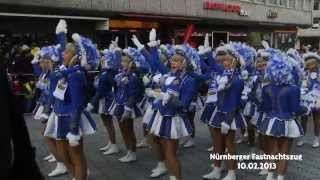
[(245, 74), (115, 42), (165, 98), (136, 42), (206, 46), (73, 139), (61, 27), (146, 80), (149, 92), (89, 107), (152, 35), (313, 75), (114, 45), (225, 128), (222, 81), (152, 38), (156, 78), (245, 93), (206, 42), (35, 60), (125, 80)]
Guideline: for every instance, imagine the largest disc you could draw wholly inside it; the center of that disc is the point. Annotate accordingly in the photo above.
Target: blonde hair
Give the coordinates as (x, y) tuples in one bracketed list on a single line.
[(127, 59), (70, 47)]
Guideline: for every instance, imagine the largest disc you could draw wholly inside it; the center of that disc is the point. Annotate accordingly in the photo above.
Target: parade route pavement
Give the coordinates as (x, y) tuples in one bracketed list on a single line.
[(195, 161)]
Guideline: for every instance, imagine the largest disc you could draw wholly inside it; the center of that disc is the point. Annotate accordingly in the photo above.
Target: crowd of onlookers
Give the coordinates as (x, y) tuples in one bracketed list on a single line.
[(15, 57)]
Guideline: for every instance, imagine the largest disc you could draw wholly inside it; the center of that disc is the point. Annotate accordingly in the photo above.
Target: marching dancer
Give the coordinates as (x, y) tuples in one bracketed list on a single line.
[(171, 123), (310, 95), (281, 104), (73, 122), (128, 93), (105, 94), (153, 103), (48, 57), (227, 116)]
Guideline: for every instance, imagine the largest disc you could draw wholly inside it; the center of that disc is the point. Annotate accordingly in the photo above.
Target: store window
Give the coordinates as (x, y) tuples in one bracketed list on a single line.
[(292, 3), (283, 3)]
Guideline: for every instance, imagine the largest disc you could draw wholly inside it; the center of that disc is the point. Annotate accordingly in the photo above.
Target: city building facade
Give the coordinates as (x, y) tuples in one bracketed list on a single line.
[(273, 20)]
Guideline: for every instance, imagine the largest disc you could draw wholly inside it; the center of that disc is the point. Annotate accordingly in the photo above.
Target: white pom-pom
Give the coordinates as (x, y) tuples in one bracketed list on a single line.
[(146, 80), (61, 27), (76, 37)]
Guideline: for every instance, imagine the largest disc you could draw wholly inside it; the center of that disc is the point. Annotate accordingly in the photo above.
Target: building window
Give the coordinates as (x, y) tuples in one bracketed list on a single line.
[(316, 20), (316, 5), (283, 3), (261, 1), (292, 3), (274, 2), (300, 4), (307, 5)]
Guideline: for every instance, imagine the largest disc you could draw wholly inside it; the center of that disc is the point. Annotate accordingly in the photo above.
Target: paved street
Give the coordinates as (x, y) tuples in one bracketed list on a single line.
[(195, 160)]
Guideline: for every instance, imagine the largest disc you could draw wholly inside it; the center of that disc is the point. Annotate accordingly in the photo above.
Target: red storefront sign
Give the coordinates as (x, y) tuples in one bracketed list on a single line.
[(211, 5)]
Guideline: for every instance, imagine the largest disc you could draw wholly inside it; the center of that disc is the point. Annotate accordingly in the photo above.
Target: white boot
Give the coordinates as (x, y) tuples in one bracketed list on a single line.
[(160, 170), (210, 149), (124, 157), (53, 159), (113, 149), (263, 172), (160, 164), (173, 178), (183, 140), (129, 158), (270, 176), (316, 142), (105, 147), (143, 143), (280, 177), (189, 143), (231, 175), (300, 142), (253, 150), (214, 174), (59, 170), (48, 157)]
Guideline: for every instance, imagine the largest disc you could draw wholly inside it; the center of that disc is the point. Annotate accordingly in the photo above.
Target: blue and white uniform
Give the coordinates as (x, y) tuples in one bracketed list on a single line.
[(229, 104), (128, 93), (281, 100), (104, 91), (171, 121), (281, 103)]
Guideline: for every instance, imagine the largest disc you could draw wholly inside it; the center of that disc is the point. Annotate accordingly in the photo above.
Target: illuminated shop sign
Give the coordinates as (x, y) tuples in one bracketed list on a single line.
[(219, 6)]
